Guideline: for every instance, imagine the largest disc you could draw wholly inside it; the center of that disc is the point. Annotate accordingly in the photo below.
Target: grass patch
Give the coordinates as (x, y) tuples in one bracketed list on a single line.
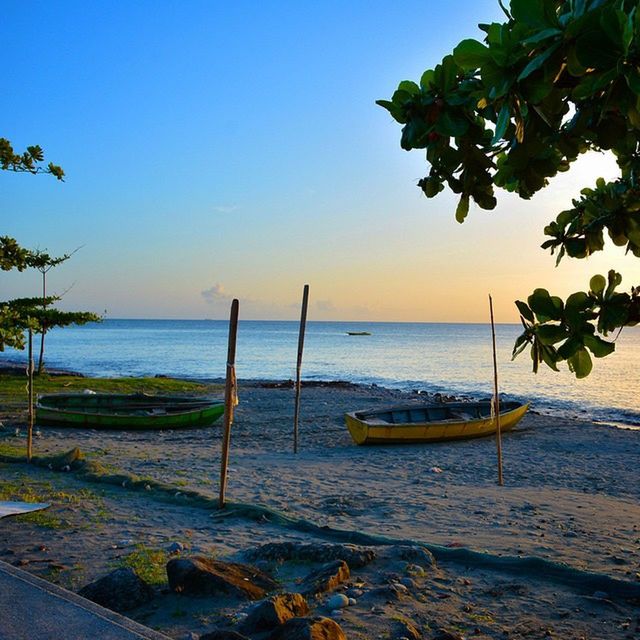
[(148, 563), (13, 387), (26, 489)]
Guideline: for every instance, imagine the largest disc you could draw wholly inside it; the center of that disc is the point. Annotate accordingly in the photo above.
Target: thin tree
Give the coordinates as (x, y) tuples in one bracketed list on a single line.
[(44, 262)]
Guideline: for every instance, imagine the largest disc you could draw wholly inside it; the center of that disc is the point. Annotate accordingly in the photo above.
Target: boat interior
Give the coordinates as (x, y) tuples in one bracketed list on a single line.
[(444, 412)]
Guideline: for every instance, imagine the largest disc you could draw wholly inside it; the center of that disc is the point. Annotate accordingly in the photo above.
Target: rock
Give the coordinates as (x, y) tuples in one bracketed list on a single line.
[(407, 630), (414, 554), (223, 634), (388, 593), (274, 612), (352, 602), (408, 583), (602, 595), (317, 628), (120, 590), (199, 575), (326, 578), (337, 601), (175, 547), (355, 556)]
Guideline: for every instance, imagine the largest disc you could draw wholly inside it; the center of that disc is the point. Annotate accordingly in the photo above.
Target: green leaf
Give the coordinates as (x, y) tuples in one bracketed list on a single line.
[(538, 61), (544, 306), (502, 123), (450, 124), (549, 334), (580, 363), (531, 12), (599, 347), (524, 310), (462, 209), (471, 54), (427, 79), (410, 87), (597, 284)]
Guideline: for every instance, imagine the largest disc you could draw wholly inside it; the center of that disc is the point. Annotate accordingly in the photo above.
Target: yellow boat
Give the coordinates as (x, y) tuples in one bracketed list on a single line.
[(433, 422)]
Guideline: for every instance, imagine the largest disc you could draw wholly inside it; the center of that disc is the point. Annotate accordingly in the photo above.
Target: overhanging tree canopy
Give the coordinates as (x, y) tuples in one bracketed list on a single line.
[(557, 79)]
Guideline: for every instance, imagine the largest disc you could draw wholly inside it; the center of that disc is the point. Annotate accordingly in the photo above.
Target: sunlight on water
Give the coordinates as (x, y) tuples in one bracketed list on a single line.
[(448, 358)]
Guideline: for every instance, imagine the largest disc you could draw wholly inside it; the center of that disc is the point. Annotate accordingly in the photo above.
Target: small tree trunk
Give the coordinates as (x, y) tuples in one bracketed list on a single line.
[(43, 326)]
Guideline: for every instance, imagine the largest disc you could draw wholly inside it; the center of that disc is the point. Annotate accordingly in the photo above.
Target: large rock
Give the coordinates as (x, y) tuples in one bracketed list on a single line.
[(223, 634), (204, 576), (120, 590), (326, 578), (317, 628), (355, 556), (274, 612), (414, 554)]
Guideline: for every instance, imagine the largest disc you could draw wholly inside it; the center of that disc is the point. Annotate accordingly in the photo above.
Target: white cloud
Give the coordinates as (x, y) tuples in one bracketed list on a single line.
[(226, 208), (215, 294)]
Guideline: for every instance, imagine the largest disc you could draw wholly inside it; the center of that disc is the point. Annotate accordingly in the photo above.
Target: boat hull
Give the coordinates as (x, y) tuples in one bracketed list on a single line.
[(136, 412), (365, 429)]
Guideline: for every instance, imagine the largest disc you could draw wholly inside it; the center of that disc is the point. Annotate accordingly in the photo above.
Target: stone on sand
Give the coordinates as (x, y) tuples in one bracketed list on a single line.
[(325, 578), (120, 590), (354, 555), (317, 628), (200, 575), (274, 611)]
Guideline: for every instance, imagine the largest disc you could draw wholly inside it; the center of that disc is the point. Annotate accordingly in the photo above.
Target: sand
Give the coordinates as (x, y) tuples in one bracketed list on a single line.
[(571, 496)]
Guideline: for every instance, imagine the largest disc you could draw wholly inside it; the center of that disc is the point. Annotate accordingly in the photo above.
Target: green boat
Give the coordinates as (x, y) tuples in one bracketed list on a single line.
[(126, 411)]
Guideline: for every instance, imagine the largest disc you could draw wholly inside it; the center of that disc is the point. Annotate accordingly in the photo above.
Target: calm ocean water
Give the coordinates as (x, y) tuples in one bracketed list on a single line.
[(448, 358)]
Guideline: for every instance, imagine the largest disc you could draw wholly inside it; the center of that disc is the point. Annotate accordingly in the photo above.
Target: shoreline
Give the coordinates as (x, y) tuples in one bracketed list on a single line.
[(538, 405)]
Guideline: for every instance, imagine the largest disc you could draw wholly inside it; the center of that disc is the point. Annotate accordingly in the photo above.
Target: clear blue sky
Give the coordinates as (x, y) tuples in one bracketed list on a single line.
[(219, 149)]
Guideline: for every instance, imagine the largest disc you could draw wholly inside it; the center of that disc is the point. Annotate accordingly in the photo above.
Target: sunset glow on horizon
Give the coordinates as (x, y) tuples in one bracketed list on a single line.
[(217, 151)]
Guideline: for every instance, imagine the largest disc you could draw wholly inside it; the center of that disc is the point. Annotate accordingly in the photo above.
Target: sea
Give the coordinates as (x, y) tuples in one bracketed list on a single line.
[(447, 358)]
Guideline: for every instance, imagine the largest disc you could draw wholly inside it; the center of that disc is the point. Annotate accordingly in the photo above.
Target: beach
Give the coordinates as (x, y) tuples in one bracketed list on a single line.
[(570, 497)]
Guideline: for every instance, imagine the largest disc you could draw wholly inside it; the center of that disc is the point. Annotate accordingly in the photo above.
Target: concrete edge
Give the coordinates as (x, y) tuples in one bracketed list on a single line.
[(82, 603)]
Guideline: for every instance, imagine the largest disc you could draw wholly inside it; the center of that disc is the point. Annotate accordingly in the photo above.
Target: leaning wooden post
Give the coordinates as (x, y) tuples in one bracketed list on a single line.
[(30, 392), (303, 324), (229, 398), (496, 397)]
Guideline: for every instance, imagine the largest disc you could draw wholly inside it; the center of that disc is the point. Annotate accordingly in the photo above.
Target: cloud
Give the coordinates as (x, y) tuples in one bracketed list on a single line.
[(325, 305), (215, 294), (226, 208)]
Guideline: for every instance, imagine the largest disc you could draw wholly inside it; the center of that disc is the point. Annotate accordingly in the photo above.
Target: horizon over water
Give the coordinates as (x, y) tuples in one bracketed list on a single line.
[(450, 358)]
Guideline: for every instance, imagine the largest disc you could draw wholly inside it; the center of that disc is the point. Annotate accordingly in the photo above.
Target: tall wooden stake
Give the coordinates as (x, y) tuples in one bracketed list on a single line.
[(496, 397), (30, 392), (229, 399), (303, 324)]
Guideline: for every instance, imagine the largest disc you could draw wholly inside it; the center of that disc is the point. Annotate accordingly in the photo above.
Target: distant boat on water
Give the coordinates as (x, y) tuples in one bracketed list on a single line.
[(358, 333)]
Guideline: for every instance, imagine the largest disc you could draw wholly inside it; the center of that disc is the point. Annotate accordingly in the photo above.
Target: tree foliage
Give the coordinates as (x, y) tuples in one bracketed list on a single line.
[(557, 79), (35, 313), (30, 161)]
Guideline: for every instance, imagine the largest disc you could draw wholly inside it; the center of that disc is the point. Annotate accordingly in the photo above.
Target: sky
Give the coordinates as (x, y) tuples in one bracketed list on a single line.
[(216, 150)]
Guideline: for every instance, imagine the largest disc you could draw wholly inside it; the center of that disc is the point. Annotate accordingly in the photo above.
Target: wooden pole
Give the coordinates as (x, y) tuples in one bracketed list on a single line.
[(229, 399), (303, 324), (30, 392), (496, 397)]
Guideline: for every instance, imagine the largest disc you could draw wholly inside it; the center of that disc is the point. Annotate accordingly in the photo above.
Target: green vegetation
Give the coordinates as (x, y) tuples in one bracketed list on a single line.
[(35, 314), (148, 562), (27, 489), (559, 78), (27, 162), (13, 395)]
